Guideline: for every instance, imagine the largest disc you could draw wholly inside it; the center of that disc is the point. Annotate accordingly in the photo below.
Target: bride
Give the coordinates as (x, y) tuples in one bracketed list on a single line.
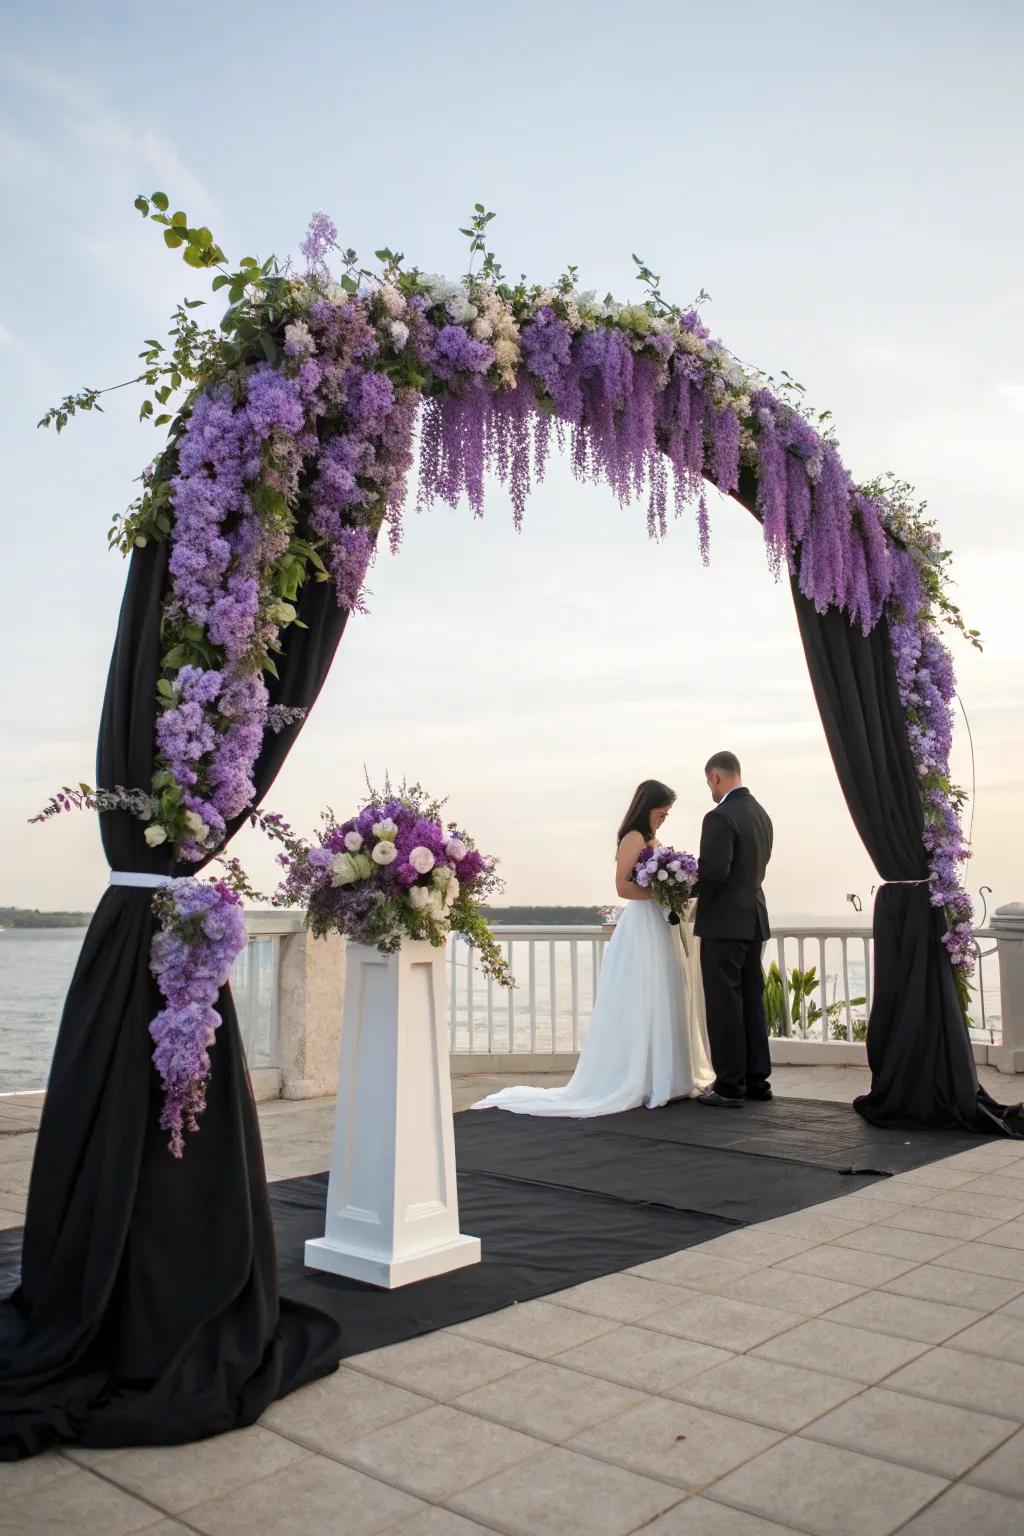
[(645, 1043)]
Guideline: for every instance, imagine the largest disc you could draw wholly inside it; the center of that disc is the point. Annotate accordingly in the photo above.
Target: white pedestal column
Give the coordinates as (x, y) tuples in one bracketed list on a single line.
[(1008, 927), (392, 1203)]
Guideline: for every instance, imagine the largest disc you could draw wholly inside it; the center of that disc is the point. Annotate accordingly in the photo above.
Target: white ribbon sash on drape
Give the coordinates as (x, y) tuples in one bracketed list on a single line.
[(148, 882)]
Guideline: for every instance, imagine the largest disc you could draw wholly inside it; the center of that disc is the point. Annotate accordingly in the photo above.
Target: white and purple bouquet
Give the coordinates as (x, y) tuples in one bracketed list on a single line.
[(670, 877), (395, 870)]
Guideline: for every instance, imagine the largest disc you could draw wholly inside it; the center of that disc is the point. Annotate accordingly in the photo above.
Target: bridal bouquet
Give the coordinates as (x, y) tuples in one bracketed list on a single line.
[(393, 871), (670, 877)]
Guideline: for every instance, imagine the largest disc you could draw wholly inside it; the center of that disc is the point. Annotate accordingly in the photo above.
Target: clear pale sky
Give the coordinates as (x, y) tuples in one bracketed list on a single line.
[(843, 179)]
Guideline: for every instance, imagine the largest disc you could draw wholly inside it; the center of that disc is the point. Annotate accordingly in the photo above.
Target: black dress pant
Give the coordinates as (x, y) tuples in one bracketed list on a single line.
[(734, 1003)]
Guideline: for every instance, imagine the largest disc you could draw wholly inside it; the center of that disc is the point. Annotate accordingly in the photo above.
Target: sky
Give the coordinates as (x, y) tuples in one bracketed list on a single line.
[(843, 179)]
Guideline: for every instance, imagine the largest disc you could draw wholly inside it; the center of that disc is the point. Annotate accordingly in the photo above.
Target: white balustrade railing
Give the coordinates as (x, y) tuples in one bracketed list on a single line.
[(557, 970), (547, 1012)]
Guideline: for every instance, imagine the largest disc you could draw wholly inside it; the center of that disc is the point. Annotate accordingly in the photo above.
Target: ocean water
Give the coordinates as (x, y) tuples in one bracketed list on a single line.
[(36, 965)]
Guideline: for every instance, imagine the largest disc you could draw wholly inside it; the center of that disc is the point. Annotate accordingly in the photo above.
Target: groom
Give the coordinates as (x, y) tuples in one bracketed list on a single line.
[(732, 925)]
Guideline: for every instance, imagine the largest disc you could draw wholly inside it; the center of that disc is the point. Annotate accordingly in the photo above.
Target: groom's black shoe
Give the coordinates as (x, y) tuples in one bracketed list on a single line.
[(760, 1093), (719, 1100)]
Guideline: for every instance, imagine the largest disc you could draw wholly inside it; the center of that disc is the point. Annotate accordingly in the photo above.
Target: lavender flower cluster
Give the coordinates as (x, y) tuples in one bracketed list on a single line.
[(390, 852), (395, 870), (927, 687), (669, 876), (200, 933), (326, 421)]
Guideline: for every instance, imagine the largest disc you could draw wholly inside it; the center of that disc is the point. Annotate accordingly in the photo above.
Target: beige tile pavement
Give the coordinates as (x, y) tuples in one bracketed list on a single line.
[(934, 1437), (828, 1491), (563, 1493), (548, 1401), (964, 1510), (437, 1453), (827, 1373), (856, 1354), (784, 1397), (675, 1441)]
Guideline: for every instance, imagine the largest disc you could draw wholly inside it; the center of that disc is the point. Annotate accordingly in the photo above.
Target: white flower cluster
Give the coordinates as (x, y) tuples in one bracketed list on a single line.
[(436, 900)]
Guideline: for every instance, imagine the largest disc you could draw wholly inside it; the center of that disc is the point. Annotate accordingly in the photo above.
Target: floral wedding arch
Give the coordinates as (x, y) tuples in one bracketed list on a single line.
[(289, 459), (150, 1309)]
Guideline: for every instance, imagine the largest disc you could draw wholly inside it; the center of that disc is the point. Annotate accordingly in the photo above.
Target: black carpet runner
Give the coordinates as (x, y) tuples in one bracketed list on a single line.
[(558, 1202)]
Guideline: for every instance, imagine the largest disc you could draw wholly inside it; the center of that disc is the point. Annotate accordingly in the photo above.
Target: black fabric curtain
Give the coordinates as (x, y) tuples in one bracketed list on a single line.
[(922, 1066), (148, 1310)]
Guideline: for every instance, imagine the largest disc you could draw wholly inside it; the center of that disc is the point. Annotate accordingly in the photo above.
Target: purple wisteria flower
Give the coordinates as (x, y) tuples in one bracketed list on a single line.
[(201, 933), (321, 237)]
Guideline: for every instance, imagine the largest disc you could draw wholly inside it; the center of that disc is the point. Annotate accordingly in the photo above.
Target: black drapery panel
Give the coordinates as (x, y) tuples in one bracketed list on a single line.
[(148, 1311), (922, 1066)]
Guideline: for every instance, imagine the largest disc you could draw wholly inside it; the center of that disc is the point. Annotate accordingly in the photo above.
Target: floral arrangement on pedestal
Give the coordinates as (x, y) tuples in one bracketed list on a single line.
[(669, 876), (394, 871), (290, 446)]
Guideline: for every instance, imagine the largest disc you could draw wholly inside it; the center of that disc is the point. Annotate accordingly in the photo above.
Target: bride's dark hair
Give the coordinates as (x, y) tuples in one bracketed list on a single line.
[(649, 795)]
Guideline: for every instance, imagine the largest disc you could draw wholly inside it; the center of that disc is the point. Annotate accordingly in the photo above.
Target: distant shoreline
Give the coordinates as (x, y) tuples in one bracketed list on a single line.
[(22, 917), (546, 916)]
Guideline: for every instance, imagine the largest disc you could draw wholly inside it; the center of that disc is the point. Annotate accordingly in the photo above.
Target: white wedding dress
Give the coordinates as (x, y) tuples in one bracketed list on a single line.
[(646, 1041)]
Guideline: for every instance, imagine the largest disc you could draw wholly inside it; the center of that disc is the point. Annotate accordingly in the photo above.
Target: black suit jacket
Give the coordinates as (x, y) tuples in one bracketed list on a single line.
[(735, 846)]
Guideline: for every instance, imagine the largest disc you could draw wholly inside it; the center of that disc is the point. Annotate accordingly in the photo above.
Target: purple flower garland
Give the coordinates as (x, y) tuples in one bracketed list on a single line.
[(299, 460)]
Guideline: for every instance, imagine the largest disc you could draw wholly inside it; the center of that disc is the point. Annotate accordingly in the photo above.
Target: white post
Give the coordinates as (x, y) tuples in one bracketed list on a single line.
[(311, 978), (1008, 927), (392, 1200)]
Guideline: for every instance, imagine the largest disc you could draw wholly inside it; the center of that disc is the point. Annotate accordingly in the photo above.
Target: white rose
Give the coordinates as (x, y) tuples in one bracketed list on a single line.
[(197, 826), (386, 829), (680, 879), (435, 909), (674, 866), (155, 836), (384, 853), (334, 293), (343, 870), (419, 895), (456, 849), (662, 874), (353, 841), (422, 860)]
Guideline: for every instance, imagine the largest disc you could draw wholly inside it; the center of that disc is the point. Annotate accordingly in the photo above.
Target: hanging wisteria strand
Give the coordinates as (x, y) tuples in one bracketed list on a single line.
[(292, 452)]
